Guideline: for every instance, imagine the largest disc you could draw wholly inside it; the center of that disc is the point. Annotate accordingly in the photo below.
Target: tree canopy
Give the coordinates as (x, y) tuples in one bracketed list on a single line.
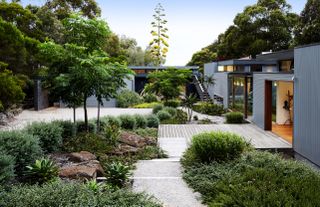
[(167, 83), (308, 28)]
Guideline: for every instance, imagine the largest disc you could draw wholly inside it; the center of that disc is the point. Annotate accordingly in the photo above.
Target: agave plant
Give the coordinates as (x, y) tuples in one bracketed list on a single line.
[(117, 173), (42, 171)]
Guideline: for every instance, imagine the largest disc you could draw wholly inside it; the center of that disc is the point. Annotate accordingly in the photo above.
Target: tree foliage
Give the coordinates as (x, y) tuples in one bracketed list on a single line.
[(159, 45), (308, 28), (167, 83), (10, 89)]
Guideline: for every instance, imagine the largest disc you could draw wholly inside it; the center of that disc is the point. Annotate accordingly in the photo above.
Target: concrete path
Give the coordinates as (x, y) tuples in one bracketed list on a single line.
[(50, 114), (163, 178)]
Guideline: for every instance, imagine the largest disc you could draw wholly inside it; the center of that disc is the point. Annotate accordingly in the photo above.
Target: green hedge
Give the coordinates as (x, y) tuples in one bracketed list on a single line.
[(141, 121), (7, 165), (128, 121), (209, 108), (163, 115), (234, 118), (172, 103), (153, 121), (157, 108)]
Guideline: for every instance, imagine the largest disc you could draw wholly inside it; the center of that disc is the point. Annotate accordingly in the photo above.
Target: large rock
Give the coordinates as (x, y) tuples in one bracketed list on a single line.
[(124, 149), (80, 165), (135, 140), (81, 156)]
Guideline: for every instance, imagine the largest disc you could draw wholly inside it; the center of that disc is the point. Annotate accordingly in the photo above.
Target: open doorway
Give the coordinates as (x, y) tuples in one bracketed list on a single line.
[(279, 108)]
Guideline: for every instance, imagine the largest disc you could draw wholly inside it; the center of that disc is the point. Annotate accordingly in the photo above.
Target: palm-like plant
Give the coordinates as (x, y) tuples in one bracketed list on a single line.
[(188, 103), (42, 171), (117, 173), (208, 80)]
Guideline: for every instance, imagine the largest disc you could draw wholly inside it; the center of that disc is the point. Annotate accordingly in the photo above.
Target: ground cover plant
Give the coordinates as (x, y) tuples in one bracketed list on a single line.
[(73, 194), (252, 178)]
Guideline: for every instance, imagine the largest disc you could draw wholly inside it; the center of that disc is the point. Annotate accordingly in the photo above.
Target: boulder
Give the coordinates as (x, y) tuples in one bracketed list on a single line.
[(135, 140), (124, 149), (81, 156), (78, 172)]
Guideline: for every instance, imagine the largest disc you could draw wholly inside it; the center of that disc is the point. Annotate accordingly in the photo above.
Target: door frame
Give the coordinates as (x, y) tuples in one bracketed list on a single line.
[(268, 106)]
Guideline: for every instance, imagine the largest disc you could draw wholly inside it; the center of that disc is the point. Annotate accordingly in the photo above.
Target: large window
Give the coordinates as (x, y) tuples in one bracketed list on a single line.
[(225, 68), (286, 65)]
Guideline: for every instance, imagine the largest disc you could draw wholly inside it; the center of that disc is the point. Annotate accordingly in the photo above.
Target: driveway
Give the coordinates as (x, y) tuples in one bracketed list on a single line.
[(50, 114)]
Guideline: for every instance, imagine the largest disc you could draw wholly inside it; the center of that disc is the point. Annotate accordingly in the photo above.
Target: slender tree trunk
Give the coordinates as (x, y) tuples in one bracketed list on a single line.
[(85, 113), (98, 117), (74, 114)]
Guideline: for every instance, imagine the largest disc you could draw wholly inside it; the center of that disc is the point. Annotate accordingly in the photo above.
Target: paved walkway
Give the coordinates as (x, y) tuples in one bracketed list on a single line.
[(50, 114), (163, 178), (259, 138)]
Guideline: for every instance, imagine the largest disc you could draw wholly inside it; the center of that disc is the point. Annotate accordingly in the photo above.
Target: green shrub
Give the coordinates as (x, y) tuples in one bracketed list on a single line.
[(209, 108), (163, 115), (256, 179), (172, 103), (25, 148), (117, 173), (69, 128), (90, 142), (43, 170), (149, 98), (153, 121), (112, 134), (7, 164), (146, 105), (157, 108), (181, 116), (141, 121), (112, 120), (49, 134), (81, 127), (217, 146), (235, 118), (151, 152), (71, 194), (172, 111), (128, 122), (128, 98)]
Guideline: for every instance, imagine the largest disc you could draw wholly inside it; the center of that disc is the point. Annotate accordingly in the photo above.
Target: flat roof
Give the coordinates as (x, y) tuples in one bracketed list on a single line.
[(308, 45), (246, 62), (162, 67), (276, 56)]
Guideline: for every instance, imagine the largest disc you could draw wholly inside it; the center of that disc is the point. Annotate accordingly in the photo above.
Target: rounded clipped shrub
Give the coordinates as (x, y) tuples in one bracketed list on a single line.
[(7, 164), (25, 148), (172, 103), (153, 121), (81, 127), (141, 121), (128, 122), (157, 108), (69, 128), (128, 98), (49, 134), (217, 146), (235, 118), (149, 98), (172, 111), (209, 108), (163, 115)]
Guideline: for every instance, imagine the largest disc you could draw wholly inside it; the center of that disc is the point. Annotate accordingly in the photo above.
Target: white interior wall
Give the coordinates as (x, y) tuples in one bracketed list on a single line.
[(282, 92)]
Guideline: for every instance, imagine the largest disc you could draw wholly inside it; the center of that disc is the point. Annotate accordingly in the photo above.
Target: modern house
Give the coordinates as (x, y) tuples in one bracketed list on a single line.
[(138, 81), (279, 91)]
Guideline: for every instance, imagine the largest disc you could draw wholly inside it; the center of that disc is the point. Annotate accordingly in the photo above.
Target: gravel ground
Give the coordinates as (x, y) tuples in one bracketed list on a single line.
[(50, 114)]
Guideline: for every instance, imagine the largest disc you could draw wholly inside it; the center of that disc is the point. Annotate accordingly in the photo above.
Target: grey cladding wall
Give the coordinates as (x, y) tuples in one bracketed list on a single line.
[(221, 87), (307, 103), (259, 93)]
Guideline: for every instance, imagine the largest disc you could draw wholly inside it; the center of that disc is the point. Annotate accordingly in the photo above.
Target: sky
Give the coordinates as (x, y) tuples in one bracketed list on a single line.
[(192, 24)]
